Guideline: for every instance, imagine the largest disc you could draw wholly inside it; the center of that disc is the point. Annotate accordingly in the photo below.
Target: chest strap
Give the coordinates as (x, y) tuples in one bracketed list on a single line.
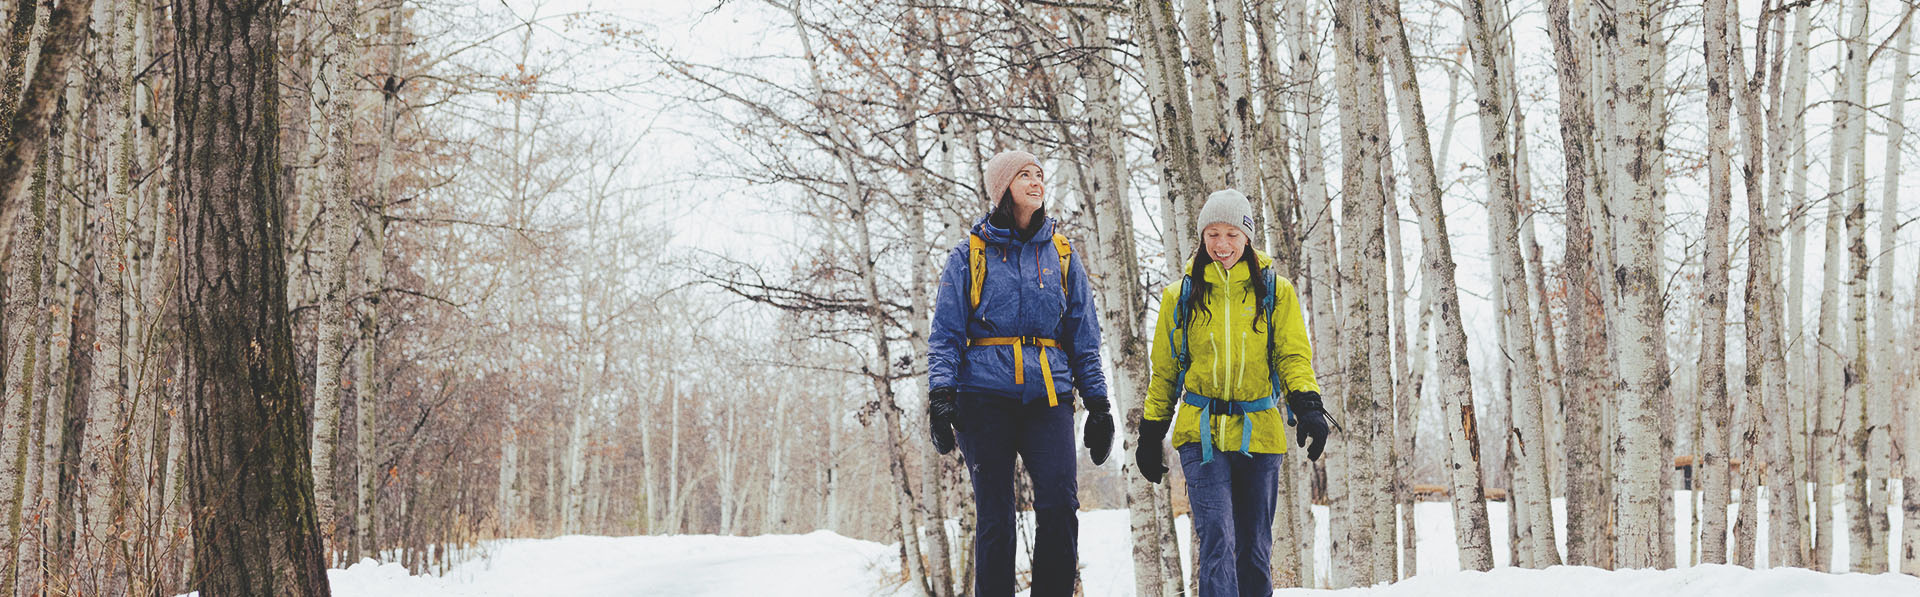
[(1019, 358)]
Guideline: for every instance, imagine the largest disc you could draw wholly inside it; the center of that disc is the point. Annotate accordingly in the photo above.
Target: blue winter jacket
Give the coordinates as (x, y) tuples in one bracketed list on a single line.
[(1020, 297)]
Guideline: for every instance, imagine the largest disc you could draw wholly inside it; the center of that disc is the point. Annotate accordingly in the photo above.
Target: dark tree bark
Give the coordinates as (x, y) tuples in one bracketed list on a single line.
[(254, 527)]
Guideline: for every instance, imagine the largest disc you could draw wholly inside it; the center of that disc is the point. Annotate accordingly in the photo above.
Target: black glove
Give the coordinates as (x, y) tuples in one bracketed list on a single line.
[(1311, 420), (1099, 428), (943, 416), (1147, 456)]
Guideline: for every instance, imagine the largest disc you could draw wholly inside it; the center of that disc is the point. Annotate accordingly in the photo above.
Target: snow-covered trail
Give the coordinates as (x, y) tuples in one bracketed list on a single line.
[(825, 564), (819, 563)]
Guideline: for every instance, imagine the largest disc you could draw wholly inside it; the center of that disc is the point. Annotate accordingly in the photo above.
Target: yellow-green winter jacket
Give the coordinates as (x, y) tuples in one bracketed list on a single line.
[(1230, 359)]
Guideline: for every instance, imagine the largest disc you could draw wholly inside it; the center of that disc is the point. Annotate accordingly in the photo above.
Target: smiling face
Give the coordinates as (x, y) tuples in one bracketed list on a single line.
[(1028, 189), (1224, 243)]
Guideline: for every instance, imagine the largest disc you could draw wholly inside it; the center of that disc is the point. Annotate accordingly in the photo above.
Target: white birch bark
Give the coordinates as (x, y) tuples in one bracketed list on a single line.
[(1214, 143), (1526, 436), (1711, 473), (333, 100), (1279, 202), (1587, 373), (1880, 379), (1115, 261), (1867, 549), (1175, 120), (1889, 206), (1638, 327), (1455, 375), (1792, 437), (1766, 374), (1365, 362)]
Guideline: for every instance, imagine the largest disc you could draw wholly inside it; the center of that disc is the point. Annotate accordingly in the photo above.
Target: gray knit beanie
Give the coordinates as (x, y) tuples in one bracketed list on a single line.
[(1228, 206), (1000, 171)]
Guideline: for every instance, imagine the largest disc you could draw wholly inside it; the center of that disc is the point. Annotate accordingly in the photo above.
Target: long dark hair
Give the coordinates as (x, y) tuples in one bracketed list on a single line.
[(1197, 293), (1002, 216)]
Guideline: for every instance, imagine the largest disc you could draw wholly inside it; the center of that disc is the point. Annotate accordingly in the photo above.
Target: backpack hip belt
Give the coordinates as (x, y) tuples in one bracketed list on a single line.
[(1215, 407), (1020, 360)]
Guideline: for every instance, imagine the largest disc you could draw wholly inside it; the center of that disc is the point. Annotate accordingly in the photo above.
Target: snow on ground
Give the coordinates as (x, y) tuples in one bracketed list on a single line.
[(826, 564), (816, 564)]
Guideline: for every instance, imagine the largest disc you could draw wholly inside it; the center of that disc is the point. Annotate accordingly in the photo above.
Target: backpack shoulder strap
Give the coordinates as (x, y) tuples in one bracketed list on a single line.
[(976, 268), (1066, 257)]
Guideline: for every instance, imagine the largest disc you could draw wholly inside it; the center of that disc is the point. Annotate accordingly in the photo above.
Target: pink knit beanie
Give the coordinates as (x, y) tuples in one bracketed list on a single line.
[(1000, 171)]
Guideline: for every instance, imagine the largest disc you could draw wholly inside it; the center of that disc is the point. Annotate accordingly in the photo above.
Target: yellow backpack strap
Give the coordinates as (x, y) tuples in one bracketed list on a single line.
[(976, 269), (1066, 257)]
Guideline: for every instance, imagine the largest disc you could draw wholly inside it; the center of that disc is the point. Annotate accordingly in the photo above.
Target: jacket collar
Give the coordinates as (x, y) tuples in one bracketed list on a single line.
[(1239, 274), (995, 235)]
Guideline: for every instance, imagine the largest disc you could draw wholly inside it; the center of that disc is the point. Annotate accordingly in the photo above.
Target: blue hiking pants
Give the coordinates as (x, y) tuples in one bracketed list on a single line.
[(1232, 500), (994, 429)]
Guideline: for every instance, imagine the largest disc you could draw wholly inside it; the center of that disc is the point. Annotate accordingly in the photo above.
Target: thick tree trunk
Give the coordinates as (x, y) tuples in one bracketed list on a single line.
[(1117, 263), (1366, 362), (255, 531), (27, 322)]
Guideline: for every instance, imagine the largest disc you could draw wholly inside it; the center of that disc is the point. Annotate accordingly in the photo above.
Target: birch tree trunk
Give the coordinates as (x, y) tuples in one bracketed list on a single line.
[(1534, 519), (1890, 191), (1366, 362), (1318, 277), (1711, 472), (1864, 543), (1844, 375), (28, 123), (1215, 145), (1766, 374), (1455, 374), (1639, 325), (330, 336), (1230, 18), (1180, 163), (1116, 262), (1792, 436), (1588, 505), (1280, 202), (1880, 408)]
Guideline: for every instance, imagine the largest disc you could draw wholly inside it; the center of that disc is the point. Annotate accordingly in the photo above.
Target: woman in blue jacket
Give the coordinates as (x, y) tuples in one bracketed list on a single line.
[(1015, 337)]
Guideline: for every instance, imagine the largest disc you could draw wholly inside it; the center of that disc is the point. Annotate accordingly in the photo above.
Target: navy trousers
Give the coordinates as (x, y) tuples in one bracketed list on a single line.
[(993, 430), (1232, 500)]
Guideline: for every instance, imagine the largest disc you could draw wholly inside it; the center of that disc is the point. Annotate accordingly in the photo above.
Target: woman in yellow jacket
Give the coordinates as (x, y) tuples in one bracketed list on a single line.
[(1229, 344)]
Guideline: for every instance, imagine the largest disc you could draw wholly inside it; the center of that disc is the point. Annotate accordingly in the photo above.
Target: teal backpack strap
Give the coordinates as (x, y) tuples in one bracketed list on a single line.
[(1270, 304), (1182, 357)]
